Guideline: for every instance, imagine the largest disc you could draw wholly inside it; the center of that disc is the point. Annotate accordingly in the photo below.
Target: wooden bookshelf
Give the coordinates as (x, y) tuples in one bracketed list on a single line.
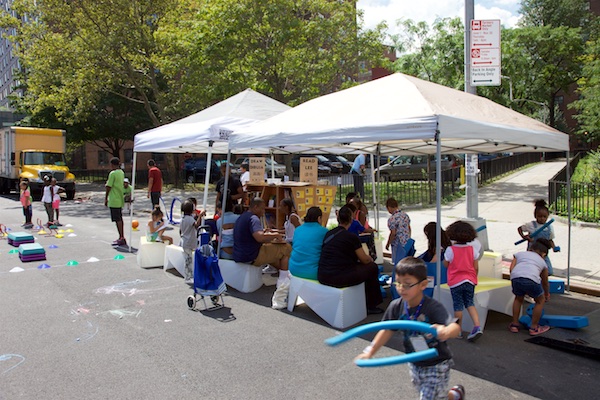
[(304, 196)]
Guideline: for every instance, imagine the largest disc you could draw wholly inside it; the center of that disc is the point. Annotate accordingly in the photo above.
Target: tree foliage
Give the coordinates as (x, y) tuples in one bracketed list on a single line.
[(433, 53), (570, 13), (588, 104)]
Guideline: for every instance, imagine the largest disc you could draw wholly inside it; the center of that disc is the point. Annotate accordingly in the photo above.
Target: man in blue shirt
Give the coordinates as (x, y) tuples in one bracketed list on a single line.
[(358, 172), (253, 245)]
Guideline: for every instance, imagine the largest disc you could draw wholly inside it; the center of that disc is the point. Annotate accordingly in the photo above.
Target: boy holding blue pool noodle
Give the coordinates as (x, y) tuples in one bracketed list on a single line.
[(431, 376)]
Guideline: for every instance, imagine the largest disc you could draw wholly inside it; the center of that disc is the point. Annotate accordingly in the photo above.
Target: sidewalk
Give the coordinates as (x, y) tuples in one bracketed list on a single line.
[(505, 205)]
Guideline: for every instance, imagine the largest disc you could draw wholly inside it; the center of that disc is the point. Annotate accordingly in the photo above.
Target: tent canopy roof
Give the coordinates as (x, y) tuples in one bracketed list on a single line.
[(214, 124), (399, 114)]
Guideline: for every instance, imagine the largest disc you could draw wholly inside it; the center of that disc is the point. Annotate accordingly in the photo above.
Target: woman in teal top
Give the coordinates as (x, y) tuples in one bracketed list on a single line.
[(308, 241)]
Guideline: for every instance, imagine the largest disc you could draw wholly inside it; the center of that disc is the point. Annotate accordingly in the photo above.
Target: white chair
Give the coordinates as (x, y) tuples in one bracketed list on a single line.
[(490, 294), (150, 254), (340, 308), (245, 278), (175, 258)]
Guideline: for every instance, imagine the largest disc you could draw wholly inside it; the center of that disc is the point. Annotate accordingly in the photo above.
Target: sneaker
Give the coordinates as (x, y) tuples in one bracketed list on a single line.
[(58, 223), (475, 334), (539, 330), (28, 226), (460, 336), (189, 281), (119, 242), (269, 269), (457, 393)]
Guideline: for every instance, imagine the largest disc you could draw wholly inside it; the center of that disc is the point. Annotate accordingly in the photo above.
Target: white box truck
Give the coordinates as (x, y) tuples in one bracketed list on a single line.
[(33, 153)]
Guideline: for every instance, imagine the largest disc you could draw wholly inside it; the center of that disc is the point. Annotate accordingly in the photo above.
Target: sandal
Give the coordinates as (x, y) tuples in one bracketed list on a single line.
[(513, 328), (539, 330)]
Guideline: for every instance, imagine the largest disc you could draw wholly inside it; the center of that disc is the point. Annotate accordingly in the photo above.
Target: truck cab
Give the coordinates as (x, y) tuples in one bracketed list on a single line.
[(36, 164)]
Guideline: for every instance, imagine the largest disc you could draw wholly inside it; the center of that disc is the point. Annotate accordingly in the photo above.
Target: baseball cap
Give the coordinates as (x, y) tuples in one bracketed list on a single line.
[(126, 180)]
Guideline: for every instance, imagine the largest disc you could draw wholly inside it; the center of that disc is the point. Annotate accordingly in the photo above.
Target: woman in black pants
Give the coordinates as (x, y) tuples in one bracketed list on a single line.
[(344, 263)]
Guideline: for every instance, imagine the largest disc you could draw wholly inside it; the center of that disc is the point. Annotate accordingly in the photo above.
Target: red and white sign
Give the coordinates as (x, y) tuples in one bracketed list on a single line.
[(485, 52)]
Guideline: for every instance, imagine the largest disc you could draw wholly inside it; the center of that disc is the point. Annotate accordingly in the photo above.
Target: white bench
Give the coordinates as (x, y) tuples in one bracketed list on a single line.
[(245, 278), (490, 294), (340, 308), (150, 254), (175, 258)]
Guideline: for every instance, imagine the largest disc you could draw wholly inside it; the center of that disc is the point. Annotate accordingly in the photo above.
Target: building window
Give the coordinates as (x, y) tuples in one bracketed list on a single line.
[(102, 157), (559, 100), (128, 156), (158, 157)]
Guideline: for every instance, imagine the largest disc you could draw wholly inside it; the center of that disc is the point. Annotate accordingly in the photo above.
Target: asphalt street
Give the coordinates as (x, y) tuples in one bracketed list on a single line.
[(105, 328)]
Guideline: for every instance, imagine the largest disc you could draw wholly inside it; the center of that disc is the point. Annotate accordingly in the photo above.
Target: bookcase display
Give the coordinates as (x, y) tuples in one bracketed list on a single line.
[(304, 196)]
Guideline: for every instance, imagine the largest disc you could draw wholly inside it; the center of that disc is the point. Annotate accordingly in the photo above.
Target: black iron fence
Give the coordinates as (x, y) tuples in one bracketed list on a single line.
[(585, 197), (405, 191)]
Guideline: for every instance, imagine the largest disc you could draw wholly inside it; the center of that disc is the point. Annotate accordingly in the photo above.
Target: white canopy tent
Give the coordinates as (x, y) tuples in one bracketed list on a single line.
[(208, 130), (400, 114)]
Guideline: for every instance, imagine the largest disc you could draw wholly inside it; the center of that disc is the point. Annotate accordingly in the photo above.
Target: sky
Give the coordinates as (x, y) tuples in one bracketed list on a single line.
[(376, 11)]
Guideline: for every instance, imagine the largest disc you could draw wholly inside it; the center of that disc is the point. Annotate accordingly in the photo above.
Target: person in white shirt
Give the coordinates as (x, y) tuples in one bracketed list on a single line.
[(245, 177)]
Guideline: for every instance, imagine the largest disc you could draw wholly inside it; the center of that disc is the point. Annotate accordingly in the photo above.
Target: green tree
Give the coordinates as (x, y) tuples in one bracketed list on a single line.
[(290, 50), (541, 61), (571, 13), (588, 104), (433, 53)]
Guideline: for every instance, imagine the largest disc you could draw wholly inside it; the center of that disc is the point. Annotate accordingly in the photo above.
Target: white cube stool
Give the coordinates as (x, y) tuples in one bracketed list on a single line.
[(490, 294), (339, 307), (490, 265), (175, 258), (150, 254), (243, 277)]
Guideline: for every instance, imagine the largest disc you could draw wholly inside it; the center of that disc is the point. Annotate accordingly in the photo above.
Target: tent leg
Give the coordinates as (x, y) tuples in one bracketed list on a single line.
[(134, 166), (207, 175), (569, 217), (438, 215)]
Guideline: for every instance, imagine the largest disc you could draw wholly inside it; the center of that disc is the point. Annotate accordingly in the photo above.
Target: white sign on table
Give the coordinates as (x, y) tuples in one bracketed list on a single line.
[(485, 52)]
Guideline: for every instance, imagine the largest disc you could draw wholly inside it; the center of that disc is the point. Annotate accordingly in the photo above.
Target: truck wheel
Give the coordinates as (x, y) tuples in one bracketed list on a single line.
[(70, 194)]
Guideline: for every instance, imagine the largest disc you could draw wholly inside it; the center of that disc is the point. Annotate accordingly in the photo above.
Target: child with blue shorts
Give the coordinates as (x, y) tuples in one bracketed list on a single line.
[(529, 276), (461, 259)]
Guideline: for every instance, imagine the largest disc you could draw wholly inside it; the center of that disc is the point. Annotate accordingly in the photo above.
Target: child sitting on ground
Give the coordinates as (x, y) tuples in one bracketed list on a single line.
[(156, 227), (529, 276), (461, 261), (431, 376)]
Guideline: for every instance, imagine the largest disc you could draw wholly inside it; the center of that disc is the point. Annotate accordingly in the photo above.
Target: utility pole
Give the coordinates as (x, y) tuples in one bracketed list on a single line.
[(471, 167)]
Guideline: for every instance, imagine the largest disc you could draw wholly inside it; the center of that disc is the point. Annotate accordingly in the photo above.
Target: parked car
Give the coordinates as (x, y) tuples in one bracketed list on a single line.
[(280, 169), (323, 167), (195, 170), (415, 167), (346, 165)]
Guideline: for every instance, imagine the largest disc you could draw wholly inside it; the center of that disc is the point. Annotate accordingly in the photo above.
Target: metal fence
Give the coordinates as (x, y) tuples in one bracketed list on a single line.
[(406, 192), (585, 197)]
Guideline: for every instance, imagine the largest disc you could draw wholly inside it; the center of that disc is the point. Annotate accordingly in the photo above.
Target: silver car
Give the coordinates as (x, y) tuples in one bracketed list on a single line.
[(415, 167)]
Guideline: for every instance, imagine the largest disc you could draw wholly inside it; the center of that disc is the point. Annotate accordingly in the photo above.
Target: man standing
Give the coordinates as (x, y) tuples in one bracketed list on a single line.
[(114, 199), (154, 183), (358, 175), (234, 190)]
